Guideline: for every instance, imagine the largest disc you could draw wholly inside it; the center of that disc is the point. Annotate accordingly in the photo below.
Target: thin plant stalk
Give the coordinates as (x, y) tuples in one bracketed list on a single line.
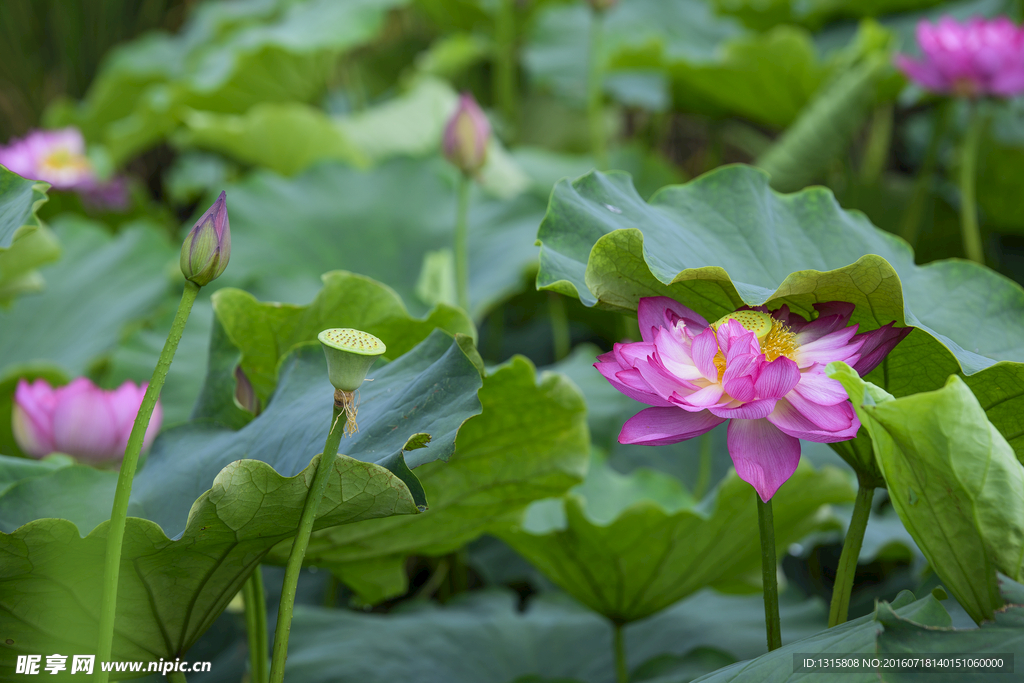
[(704, 473), (968, 179), (331, 592), (925, 177), (595, 80), (840, 608), (256, 626), (876, 153), (559, 325), (462, 243), (176, 677), (621, 667), (123, 492), (505, 65), (769, 576), (294, 566)]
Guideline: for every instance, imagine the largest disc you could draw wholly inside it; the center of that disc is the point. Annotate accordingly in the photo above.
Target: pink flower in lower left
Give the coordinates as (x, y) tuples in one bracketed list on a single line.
[(79, 419)]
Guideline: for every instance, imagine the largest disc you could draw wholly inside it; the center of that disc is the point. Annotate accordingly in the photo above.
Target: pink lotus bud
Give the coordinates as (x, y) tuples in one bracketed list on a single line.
[(973, 59), (207, 248), (466, 136), (79, 419)]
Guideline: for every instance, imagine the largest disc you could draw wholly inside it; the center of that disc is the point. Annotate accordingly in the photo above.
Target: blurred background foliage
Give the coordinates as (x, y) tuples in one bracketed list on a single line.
[(322, 119)]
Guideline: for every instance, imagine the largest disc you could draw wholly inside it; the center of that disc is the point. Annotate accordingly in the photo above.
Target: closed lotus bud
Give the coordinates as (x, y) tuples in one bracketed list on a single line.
[(466, 136), (602, 5), (350, 353), (207, 248), (245, 394)]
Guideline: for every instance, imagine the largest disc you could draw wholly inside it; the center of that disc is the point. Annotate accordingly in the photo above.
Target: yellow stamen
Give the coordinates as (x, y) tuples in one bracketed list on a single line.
[(775, 337), (780, 341)]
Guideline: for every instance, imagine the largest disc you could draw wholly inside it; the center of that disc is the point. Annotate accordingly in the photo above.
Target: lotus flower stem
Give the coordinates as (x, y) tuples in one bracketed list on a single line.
[(256, 626), (840, 608), (769, 577), (119, 513), (462, 244), (294, 566), (925, 177), (595, 80), (505, 65), (876, 153), (704, 473), (621, 666), (176, 677), (559, 325), (968, 199)]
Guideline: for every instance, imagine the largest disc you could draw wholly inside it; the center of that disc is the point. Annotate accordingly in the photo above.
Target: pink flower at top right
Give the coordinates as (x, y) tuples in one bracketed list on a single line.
[(976, 58)]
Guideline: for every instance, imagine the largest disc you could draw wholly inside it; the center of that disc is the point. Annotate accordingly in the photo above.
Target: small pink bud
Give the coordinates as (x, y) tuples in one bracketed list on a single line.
[(207, 247), (466, 136), (79, 419)]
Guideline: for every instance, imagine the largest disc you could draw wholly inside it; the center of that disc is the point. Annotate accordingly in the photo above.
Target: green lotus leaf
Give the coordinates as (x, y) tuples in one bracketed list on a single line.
[(262, 332), (529, 442), (712, 64), (226, 59), (630, 546), (726, 239), (483, 637), (101, 284), (20, 198), (904, 637), (856, 636), (954, 481), (286, 137), (99, 288), (137, 355), (170, 589), (638, 34), (288, 231), (290, 137), (25, 243), (432, 389)]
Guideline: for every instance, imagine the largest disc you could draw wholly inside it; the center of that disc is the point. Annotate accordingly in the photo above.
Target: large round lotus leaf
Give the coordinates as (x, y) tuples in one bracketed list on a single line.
[(629, 546), (286, 232), (529, 442), (170, 590)]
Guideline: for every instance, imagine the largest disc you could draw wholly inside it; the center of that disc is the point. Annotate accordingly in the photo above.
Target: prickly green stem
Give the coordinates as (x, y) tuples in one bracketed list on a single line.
[(769, 576), (294, 566), (119, 512), (840, 607)]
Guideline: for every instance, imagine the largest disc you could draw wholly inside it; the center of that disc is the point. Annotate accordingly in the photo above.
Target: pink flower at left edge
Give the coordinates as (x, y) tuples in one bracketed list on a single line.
[(58, 157), (763, 371), (79, 419), (54, 156)]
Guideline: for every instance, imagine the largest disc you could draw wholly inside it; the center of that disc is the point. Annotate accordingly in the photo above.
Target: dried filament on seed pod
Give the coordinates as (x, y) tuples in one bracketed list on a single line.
[(347, 401)]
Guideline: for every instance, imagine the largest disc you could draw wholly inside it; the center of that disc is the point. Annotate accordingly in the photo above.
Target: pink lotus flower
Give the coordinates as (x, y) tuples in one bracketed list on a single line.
[(762, 370), (79, 419), (974, 59), (54, 156), (466, 135)]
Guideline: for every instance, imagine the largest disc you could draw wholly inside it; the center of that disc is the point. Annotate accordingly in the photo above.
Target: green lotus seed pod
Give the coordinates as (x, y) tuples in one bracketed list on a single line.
[(350, 353)]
